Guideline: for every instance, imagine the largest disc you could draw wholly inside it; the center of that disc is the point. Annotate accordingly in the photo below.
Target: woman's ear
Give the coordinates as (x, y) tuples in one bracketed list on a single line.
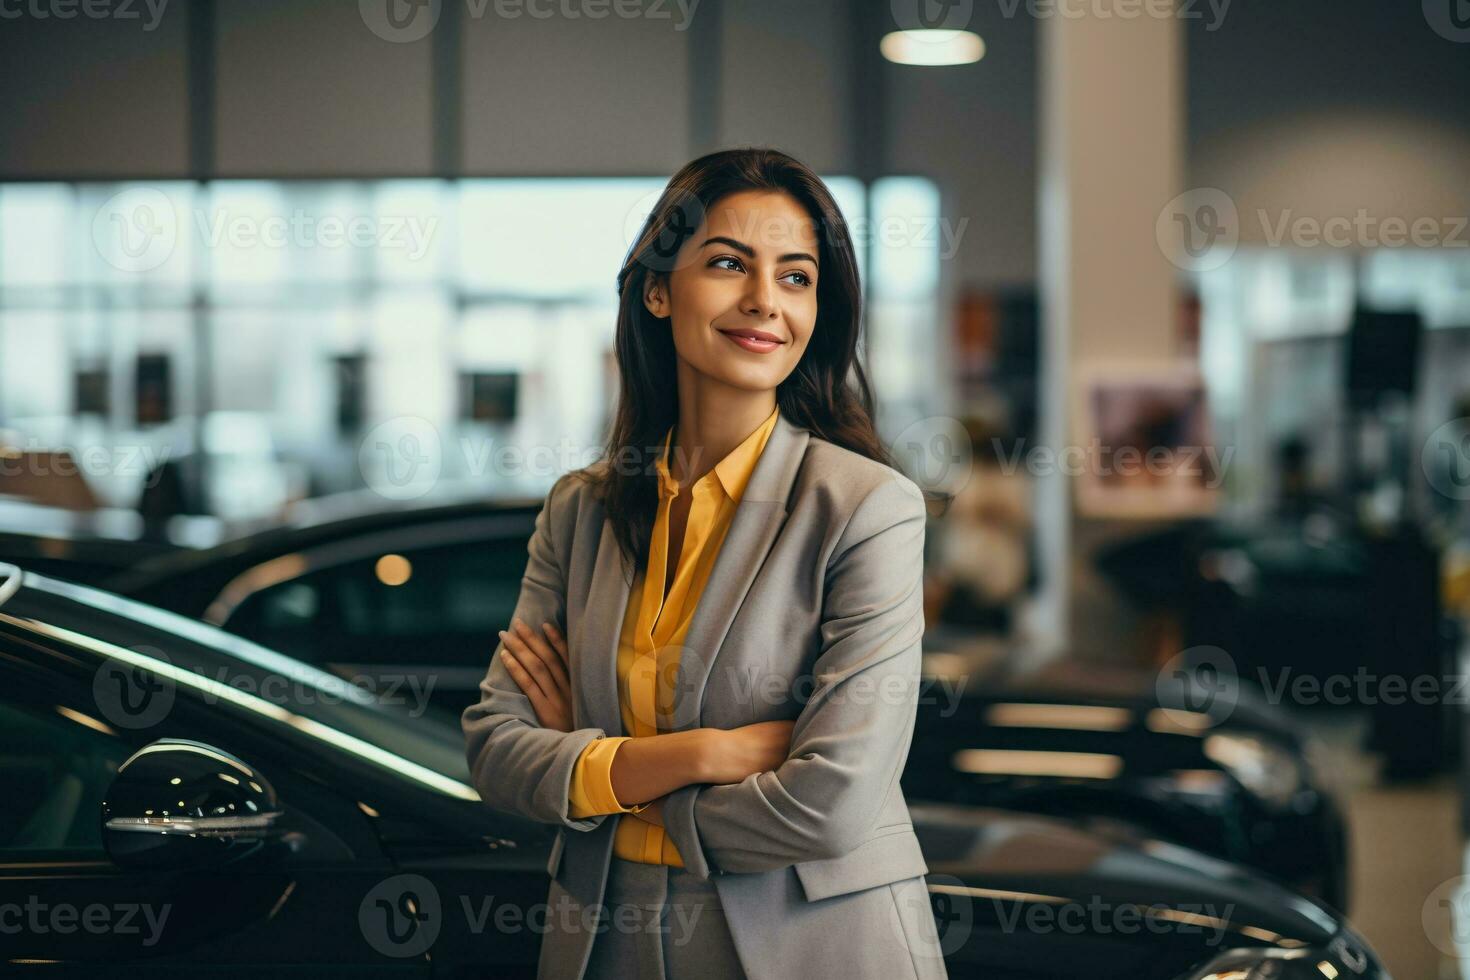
[(656, 294)]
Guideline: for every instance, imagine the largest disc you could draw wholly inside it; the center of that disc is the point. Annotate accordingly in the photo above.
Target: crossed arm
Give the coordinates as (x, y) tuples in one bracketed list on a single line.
[(823, 791), (636, 774), (519, 741)]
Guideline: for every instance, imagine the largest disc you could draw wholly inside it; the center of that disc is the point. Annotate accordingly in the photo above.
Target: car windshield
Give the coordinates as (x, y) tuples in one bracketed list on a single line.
[(393, 729)]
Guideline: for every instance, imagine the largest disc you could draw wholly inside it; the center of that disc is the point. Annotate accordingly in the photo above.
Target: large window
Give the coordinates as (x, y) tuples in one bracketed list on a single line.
[(1274, 351), (269, 326)]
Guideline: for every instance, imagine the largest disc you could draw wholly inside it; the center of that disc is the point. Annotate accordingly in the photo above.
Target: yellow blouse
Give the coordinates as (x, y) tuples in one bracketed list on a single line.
[(653, 634)]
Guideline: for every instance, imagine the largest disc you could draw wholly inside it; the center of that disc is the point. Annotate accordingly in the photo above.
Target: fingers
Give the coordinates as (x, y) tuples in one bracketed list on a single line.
[(524, 681), (540, 671), (558, 642), (545, 663), (526, 668)]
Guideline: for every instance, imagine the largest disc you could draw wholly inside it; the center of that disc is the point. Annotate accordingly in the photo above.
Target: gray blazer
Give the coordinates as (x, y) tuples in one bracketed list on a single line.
[(813, 613)]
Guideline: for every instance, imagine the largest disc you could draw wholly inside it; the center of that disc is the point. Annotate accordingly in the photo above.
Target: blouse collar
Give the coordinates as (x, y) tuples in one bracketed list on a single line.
[(733, 472)]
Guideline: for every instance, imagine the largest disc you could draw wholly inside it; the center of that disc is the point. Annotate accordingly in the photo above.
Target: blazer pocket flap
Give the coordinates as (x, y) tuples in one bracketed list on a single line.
[(892, 856), (554, 861)]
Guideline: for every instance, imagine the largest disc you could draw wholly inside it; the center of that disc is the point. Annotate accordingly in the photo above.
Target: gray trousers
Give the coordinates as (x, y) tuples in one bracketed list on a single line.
[(662, 923)]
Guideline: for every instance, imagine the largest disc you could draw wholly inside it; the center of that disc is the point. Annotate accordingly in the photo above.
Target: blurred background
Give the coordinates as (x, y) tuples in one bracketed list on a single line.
[(1168, 306)]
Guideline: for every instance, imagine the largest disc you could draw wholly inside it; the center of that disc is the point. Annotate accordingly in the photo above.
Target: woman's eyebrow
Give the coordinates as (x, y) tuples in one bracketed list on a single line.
[(750, 252)]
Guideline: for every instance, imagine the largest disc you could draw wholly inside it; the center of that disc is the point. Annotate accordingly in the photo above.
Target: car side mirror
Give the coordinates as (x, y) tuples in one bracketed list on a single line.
[(180, 804)]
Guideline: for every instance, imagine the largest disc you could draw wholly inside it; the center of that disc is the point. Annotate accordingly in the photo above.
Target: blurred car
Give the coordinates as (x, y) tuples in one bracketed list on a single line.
[(1100, 745), (362, 585), (85, 546), (413, 595), (266, 817)]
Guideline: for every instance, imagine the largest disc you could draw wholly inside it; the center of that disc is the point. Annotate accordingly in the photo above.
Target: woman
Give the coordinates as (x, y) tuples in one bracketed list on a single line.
[(711, 679)]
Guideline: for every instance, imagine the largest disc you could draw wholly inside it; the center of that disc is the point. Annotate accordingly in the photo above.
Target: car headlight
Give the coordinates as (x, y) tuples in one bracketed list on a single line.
[(1261, 766), (1345, 958)]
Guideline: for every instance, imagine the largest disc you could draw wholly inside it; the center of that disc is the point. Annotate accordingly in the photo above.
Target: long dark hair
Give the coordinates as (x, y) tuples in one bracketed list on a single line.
[(827, 393)]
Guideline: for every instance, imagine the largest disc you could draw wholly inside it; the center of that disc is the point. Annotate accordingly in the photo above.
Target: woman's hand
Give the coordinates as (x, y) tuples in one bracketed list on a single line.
[(538, 665), (734, 753)]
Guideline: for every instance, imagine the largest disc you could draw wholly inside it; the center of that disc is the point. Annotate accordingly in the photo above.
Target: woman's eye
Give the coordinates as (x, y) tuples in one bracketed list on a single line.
[(735, 266)]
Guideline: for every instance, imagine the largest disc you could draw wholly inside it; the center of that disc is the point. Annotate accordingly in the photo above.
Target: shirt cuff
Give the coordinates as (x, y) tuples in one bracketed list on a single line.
[(591, 792)]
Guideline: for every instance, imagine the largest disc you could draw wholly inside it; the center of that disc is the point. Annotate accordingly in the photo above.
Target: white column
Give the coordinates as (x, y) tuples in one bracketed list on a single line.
[(1111, 149)]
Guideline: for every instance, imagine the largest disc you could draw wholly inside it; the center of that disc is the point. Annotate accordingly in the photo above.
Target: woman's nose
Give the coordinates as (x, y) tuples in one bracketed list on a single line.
[(760, 299)]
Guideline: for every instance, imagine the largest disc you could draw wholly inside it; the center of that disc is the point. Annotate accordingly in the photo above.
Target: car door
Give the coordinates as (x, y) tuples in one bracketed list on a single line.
[(66, 909)]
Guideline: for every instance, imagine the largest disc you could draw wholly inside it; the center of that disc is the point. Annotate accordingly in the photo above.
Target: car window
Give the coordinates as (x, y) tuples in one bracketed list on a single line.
[(442, 604), (56, 764)]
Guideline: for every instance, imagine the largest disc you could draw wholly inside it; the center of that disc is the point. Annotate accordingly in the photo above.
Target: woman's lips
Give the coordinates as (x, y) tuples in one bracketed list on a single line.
[(752, 344)]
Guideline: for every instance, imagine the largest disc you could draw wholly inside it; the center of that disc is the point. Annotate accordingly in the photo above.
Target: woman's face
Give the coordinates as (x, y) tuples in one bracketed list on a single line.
[(750, 270)]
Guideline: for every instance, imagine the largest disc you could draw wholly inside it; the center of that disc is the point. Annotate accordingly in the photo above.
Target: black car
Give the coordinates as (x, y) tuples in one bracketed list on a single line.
[(319, 587), (1100, 745), (178, 798), (409, 596)]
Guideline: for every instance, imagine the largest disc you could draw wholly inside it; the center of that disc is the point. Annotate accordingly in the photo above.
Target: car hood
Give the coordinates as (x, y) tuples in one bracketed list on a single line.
[(1002, 856)]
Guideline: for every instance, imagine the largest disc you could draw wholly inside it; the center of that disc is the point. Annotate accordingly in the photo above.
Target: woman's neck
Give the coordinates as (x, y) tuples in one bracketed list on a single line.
[(714, 418)]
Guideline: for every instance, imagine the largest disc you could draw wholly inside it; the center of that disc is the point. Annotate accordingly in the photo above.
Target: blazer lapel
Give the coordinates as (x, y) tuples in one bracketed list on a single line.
[(596, 656), (758, 519)]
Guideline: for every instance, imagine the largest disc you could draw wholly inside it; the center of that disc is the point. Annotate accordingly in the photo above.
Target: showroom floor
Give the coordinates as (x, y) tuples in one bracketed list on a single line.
[(1406, 853)]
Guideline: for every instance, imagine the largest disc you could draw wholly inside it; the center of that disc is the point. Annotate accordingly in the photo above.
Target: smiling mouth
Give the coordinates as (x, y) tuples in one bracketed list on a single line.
[(754, 335), (754, 340)]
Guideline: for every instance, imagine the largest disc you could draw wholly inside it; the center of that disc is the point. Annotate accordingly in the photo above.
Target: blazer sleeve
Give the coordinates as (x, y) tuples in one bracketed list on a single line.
[(516, 765), (851, 739)]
